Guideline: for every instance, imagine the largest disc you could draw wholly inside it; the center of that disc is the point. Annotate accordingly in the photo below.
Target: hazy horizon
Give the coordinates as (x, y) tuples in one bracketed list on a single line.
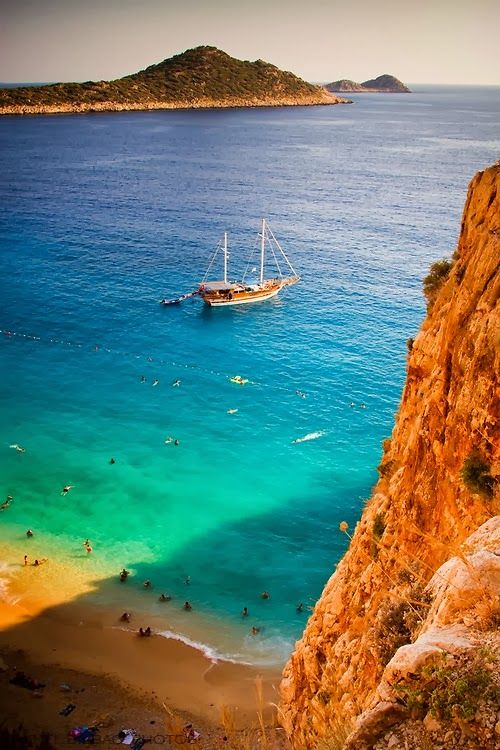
[(445, 42)]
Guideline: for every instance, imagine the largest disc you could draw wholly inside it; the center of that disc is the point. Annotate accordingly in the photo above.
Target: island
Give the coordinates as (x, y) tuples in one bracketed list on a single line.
[(199, 78), (384, 84)]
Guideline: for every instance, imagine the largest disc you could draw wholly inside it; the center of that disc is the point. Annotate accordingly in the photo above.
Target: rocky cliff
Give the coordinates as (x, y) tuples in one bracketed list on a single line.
[(198, 78), (402, 617)]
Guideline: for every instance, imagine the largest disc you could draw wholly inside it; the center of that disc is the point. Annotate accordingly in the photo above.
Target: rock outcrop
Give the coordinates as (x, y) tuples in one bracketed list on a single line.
[(382, 84), (200, 78), (411, 590)]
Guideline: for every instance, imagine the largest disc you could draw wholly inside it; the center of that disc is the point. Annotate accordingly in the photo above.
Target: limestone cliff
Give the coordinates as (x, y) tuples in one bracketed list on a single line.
[(437, 486)]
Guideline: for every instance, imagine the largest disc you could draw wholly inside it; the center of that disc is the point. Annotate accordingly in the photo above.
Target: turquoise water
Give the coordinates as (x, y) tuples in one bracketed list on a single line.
[(104, 215)]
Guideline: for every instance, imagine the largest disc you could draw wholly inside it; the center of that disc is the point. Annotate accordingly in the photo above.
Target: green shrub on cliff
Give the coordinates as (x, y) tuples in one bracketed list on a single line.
[(476, 475), (438, 273)]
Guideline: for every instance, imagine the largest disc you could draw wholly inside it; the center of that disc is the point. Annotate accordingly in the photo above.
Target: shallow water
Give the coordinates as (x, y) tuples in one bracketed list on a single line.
[(104, 215)]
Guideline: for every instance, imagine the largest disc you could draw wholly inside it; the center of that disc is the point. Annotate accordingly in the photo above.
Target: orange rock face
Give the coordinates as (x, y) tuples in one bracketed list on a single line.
[(423, 507)]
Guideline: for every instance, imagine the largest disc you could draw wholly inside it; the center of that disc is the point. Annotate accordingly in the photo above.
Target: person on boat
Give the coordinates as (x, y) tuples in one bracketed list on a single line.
[(187, 606), (244, 612), (125, 617), (164, 598)]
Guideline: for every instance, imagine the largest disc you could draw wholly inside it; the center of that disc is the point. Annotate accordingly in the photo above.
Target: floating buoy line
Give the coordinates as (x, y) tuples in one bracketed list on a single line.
[(10, 334)]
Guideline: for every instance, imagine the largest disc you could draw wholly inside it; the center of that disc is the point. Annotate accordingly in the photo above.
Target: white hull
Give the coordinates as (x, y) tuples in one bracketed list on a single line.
[(244, 301)]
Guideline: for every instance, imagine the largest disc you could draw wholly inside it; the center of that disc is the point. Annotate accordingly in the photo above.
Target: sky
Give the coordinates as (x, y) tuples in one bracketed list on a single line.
[(418, 41)]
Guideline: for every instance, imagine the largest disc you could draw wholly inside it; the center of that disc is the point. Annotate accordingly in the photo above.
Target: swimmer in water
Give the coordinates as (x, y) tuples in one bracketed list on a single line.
[(155, 381), (164, 598), (6, 503), (147, 584), (169, 440), (187, 606), (301, 394), (265, 595), (29, 533), (232, 411), (300, 607), (176, 383), (254, 630), (125, 617), (18, 448), (143, 378), (244, 612), (67, 488), (112, 461), (176, 442)]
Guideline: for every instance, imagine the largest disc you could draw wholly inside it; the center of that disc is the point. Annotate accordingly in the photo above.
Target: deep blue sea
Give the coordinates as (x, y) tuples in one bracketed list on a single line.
[(102, 215)]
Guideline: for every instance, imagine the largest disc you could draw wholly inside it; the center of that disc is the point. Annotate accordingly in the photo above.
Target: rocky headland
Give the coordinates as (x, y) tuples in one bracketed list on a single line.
[(200, 78), (402, 649), (384, 84)]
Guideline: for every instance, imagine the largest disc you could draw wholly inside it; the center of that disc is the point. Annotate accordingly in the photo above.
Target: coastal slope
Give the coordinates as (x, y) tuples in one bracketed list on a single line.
[(413, 606), (199, 78), (382, 84)]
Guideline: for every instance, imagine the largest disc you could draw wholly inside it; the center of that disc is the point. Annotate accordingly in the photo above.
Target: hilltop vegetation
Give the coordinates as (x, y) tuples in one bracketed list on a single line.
[(200, 77)]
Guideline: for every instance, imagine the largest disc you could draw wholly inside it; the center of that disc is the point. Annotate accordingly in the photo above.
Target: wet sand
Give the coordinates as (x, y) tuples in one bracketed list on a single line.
[(119, 677)]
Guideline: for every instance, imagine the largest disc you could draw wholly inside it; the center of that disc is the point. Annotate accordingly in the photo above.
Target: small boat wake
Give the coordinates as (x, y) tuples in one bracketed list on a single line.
[(310, 436)]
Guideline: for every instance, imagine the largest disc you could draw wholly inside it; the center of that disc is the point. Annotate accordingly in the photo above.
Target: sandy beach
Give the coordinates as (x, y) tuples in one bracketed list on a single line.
[(116, 679)]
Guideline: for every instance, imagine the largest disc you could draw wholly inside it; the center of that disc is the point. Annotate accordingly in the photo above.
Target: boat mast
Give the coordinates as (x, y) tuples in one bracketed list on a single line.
[(262, 248), (225, 257)]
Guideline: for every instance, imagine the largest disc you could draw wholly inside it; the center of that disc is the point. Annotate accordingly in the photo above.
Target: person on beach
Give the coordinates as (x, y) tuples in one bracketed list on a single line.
[(187, 606), (40, 562), (29, 533), (125, 617), (245, 612), (26, 559)]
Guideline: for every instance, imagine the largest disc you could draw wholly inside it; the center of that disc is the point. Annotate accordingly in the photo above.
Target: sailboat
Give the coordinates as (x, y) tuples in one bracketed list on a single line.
[(224, 292)]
